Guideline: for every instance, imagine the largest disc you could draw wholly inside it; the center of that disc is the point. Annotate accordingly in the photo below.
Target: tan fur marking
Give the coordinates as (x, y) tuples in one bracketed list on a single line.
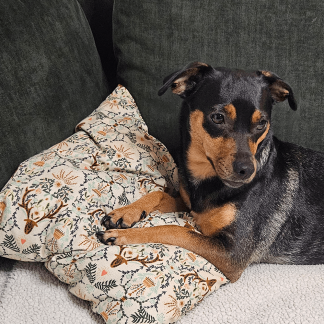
[(184, 195), (266, 73), (203, 64), (198, 164), (254, 146), (156, 200), (231, 111), (255, 169), (180, 84), (183, 237), (279, 93), (213, 220), (169, 204), (220, 150), (256, 116), (277, 88)]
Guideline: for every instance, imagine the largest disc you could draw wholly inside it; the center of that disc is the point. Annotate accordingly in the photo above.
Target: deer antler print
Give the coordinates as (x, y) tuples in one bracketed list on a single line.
[(149, 181), (144, 262), (122, 258), (30, 222), (95, 163), (100, 211), (210, 283), (25, 205)]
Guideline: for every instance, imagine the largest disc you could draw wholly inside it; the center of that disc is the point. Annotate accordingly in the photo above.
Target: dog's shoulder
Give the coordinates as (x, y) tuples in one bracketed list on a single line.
[(297, 155), (303, 169)]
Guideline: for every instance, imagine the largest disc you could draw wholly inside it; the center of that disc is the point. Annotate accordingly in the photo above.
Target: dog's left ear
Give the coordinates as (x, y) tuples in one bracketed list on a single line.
[(184, 81), (279, 89)]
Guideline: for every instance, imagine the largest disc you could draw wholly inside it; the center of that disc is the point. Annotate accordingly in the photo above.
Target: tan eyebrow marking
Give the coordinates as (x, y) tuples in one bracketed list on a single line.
[(256, 116), (231, 111)]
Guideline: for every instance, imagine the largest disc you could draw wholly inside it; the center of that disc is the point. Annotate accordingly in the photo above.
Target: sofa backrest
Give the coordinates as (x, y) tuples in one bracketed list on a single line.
[(51, 75), (99, 15), (154, 38)]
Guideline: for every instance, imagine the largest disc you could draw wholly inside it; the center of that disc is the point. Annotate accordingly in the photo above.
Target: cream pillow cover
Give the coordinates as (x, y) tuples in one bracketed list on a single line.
[(51, 209)]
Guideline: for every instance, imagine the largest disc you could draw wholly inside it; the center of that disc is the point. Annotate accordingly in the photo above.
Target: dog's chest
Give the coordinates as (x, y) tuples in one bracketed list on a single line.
[(215, 219)]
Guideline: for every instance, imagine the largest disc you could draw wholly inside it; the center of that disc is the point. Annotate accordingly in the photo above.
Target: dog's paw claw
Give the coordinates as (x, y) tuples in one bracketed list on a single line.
[(109, 224), (105, 219), (124, 226), (101, 237), (122, 218), (119, 222), (111, 240), (143, 215)]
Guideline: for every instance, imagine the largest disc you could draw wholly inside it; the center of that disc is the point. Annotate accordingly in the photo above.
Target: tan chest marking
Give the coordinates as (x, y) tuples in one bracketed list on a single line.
[(213, 220)]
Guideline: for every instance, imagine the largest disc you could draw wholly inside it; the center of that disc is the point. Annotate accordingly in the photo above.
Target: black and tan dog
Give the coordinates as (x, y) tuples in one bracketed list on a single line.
[(255, 198)]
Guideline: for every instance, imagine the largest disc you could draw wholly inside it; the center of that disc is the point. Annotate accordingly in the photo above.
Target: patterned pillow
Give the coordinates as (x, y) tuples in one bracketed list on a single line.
[(51, 209)]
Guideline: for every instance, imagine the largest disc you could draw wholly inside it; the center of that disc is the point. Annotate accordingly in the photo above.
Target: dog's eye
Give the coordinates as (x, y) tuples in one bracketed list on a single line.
[(217, 118), (262, 123)]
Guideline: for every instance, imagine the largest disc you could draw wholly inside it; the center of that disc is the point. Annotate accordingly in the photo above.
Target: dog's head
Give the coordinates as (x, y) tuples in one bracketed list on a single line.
[(228, 118)]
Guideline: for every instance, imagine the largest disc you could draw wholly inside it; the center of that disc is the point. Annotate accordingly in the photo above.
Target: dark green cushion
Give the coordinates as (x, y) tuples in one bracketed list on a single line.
[(50, 76), (154, 38), (99, 15)]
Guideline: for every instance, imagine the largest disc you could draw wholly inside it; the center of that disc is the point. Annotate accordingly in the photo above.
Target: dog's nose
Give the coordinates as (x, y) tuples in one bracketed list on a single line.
[(243, 169)]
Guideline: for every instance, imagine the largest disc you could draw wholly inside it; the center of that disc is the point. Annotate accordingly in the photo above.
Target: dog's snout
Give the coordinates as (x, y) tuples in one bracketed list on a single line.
[(243, 168)]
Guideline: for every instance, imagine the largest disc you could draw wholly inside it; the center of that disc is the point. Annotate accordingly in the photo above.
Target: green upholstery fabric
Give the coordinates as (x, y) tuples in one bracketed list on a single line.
[(154, 38), (50, 77), (99, 15)]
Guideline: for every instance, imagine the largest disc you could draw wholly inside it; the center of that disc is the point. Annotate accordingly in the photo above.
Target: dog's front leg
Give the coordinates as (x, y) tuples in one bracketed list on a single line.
[(125, 217), (202, 245)]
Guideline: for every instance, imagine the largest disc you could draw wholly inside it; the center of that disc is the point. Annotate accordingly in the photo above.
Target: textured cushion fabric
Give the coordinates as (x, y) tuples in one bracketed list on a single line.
[(51, 209), (50, 77), (154, 38)]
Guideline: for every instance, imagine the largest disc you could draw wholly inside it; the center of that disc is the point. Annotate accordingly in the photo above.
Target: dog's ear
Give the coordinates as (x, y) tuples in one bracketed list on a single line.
[(279, 89), (184, 81)]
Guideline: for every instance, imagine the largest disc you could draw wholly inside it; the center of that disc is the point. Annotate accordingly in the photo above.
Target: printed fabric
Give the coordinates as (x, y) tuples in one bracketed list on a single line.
[(51, 209)]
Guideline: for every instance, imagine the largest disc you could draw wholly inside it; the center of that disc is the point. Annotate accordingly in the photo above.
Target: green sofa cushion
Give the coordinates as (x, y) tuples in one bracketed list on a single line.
[(155, 38), (99, 15), (50, 77)]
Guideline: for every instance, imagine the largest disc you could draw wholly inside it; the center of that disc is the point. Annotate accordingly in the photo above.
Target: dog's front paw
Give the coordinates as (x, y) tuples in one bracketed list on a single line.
[(117, 236), (124, 217)]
